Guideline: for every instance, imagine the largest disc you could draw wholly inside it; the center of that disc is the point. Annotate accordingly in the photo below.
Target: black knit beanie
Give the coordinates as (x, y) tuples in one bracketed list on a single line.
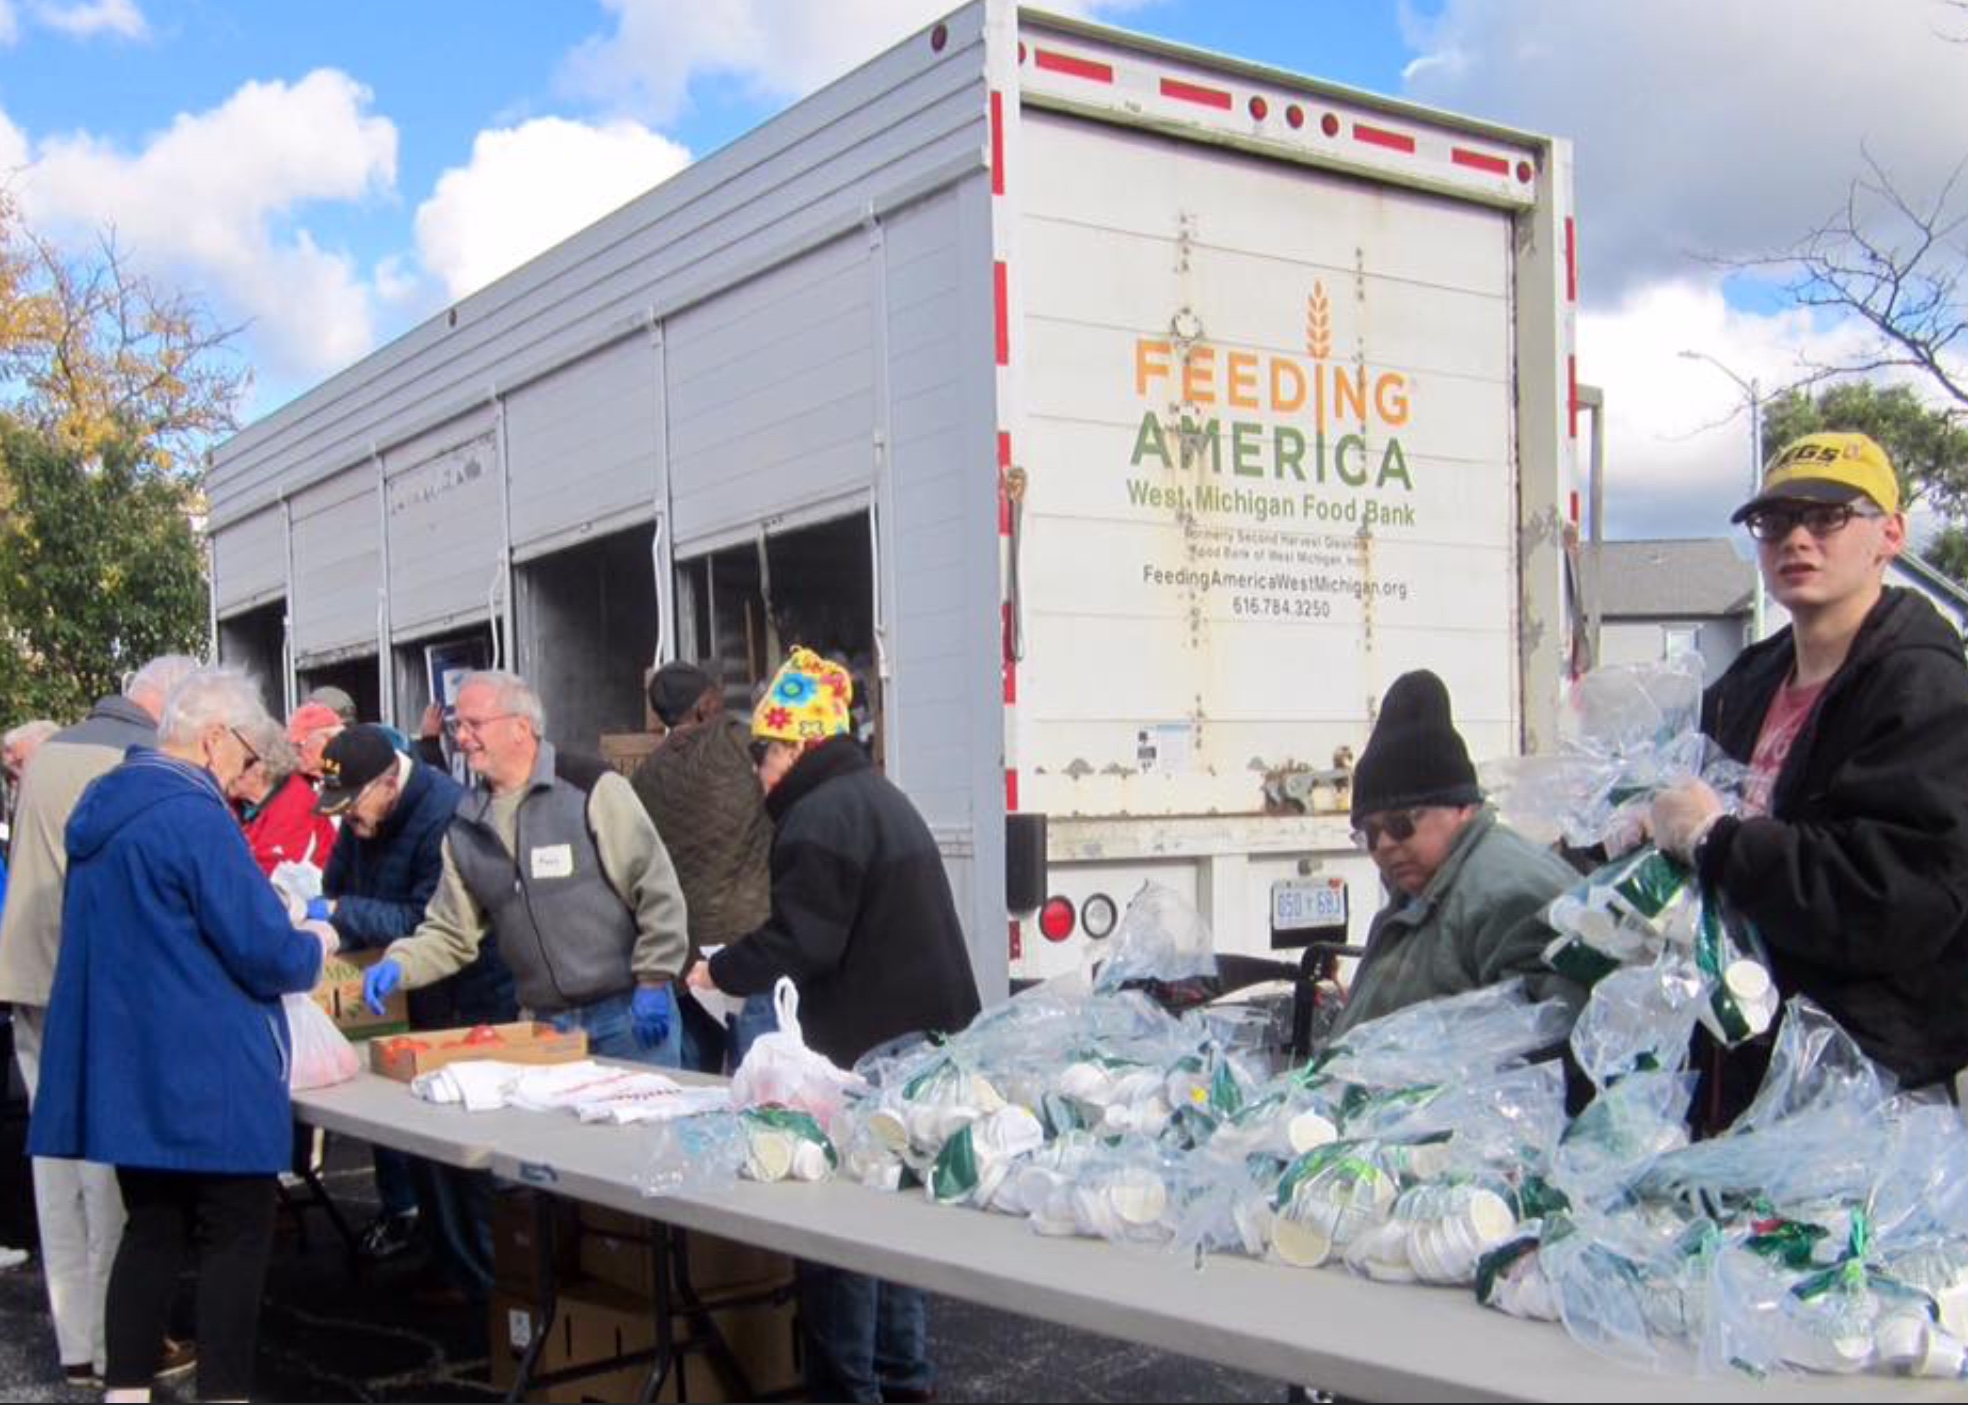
[(1415, 756)]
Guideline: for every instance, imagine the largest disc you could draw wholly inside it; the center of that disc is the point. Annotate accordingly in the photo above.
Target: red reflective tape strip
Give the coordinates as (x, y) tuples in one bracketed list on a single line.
[(1196, 93), (1011, 790), (1004, 483), (997, 143), (1056, 62), (1479, 161), (1571, 260), (1572, 377), (1010, 659), (1001, 280), (1017, 942), (1380, 136), (1575, 507)]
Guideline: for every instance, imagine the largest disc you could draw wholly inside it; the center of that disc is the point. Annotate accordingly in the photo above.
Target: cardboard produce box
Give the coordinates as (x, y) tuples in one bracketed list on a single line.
[(517, 1263), (615, 1249), (339, 992), (596, 1322), (625, 750), (521, 1043)]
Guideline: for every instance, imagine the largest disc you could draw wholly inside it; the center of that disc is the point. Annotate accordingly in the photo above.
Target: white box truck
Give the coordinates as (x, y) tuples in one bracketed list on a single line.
[(1128, 417)]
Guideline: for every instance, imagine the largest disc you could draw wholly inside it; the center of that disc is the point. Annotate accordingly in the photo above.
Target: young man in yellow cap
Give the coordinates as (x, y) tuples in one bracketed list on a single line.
[(1852, 856), (864, 924)]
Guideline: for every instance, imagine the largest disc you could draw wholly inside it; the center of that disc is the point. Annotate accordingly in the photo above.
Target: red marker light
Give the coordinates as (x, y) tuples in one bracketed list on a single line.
[(1056, 919)]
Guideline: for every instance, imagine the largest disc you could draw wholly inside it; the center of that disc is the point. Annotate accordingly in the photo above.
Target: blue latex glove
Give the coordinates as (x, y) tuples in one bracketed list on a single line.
[(380, 984), (318, 910), (653, 1008)]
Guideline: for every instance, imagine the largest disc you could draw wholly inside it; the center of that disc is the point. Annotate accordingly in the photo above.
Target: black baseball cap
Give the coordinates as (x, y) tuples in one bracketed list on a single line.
[(353, 758)]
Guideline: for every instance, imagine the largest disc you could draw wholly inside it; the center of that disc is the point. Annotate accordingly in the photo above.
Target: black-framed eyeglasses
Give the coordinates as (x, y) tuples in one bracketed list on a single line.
[(253, 757), (1398, 825), (1820, 519), (758, 748)]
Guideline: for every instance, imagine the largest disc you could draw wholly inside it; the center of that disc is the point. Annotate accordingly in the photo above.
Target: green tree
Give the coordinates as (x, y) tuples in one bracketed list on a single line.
[(100, 569), (1928, 447)]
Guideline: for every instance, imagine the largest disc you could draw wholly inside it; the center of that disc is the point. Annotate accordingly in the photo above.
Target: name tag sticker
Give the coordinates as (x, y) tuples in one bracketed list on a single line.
[(554, 861)]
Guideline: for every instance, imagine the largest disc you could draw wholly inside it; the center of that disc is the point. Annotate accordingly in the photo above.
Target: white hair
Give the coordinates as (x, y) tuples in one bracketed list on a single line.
[(212, 697), (514, 694), (157, 678), (29, 733)]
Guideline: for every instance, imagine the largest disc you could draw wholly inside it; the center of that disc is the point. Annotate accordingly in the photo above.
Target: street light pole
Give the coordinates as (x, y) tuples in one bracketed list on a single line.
[(1752, 392)]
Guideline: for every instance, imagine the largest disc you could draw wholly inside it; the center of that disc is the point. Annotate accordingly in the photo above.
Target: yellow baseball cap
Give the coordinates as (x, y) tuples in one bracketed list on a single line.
[(1828, 468)]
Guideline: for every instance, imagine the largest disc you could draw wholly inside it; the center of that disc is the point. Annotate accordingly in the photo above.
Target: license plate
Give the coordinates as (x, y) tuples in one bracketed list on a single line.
[(1304, 904)]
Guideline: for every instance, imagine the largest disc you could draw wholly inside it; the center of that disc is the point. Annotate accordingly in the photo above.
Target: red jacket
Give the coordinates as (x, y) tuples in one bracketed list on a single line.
[(286, 828)]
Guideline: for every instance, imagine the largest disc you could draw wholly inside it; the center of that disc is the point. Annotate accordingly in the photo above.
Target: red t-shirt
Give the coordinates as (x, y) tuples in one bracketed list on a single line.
[(1789, 710)]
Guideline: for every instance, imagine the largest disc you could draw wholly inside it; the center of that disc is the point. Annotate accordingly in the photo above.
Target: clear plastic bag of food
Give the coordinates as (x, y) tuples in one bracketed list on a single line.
[(1161, 938), (1613, 1145), (692, 1155), (781, 1071), (1639, 1019), (1448, 1040), (320, 1055)]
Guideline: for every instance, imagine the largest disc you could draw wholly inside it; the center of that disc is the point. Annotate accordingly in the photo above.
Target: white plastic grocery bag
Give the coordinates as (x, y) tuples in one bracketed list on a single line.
[(780, 1071), (322, 1055)]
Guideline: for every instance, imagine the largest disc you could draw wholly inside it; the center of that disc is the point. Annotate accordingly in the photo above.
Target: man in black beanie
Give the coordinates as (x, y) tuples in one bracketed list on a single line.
[(1465, 895)]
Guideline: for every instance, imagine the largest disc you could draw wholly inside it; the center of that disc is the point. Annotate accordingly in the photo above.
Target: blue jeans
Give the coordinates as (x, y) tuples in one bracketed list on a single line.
[(863, 1336), (755, 1018), (461, 1206), (611, 1033), (396, 1181)]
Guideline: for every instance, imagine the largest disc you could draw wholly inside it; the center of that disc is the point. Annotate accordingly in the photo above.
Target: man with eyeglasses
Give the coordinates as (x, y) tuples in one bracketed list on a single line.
[(395, 812), (1465, 893), (1851, 855), (555, 857), (77, 1203)]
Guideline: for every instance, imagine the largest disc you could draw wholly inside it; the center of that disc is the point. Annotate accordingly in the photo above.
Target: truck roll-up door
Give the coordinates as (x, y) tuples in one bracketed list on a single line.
[(583, 447), (337, 566), (770, 393), (249, 561), (446, 533)]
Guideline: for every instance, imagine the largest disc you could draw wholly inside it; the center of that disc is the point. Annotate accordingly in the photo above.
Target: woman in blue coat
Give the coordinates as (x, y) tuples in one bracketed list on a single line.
[(167, 1049)]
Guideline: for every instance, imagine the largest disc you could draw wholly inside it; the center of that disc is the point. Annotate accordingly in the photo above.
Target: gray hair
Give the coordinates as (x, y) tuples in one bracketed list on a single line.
[(213, 697), (39, 730), (514, 694), (157, 678), (277, 755)]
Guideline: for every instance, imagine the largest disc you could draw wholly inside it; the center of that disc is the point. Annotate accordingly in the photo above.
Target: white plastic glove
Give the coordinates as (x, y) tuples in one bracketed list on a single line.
[(1682, 817)]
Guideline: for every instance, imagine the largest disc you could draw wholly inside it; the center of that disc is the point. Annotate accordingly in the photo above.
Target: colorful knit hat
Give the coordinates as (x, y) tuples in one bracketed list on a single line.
[(808, 701)]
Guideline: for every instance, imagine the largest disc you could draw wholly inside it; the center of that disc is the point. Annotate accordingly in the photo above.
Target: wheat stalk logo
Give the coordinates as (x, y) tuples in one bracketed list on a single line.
[(1318, 323)]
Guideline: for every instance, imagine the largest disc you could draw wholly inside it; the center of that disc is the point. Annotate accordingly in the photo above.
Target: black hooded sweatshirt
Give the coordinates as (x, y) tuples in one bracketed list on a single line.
[(1858, 879)]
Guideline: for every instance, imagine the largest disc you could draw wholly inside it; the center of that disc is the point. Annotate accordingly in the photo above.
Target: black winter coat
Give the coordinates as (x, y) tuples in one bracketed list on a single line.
[(1858, 879), (862, 917)]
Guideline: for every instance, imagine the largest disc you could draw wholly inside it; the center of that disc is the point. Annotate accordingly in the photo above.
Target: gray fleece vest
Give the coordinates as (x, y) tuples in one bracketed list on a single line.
[(563, 929)]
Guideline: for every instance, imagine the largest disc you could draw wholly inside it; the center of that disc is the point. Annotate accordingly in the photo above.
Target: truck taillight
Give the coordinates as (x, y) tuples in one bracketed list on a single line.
[(1056, 919)]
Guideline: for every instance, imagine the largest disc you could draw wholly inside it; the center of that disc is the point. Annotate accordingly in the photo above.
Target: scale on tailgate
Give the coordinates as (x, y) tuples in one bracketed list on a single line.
[(1308, 912)]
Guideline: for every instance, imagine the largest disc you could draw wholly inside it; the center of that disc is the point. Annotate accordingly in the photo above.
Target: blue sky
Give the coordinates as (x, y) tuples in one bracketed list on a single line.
[(327, 175)]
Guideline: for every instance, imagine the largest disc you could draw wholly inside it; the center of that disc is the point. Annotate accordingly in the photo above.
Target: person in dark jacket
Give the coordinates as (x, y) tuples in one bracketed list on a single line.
[(702, 792), (1465, 894), (385, 867), (864, 924), (167, 1050), (1851, 855)]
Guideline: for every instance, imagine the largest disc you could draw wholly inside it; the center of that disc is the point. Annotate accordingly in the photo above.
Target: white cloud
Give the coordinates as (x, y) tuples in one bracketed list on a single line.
[(84, 19), (782, 48), (1703, 128), (9, 22), (1678, 457), (212, 199), (527, 188)]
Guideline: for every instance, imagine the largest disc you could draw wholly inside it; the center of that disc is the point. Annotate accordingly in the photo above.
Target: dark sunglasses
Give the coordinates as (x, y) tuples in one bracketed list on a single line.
[(1398, 825), (758, 748), (1774, 524)]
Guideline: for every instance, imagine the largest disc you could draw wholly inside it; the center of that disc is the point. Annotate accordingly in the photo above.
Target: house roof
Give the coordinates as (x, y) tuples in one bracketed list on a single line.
[(1694, 579)]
